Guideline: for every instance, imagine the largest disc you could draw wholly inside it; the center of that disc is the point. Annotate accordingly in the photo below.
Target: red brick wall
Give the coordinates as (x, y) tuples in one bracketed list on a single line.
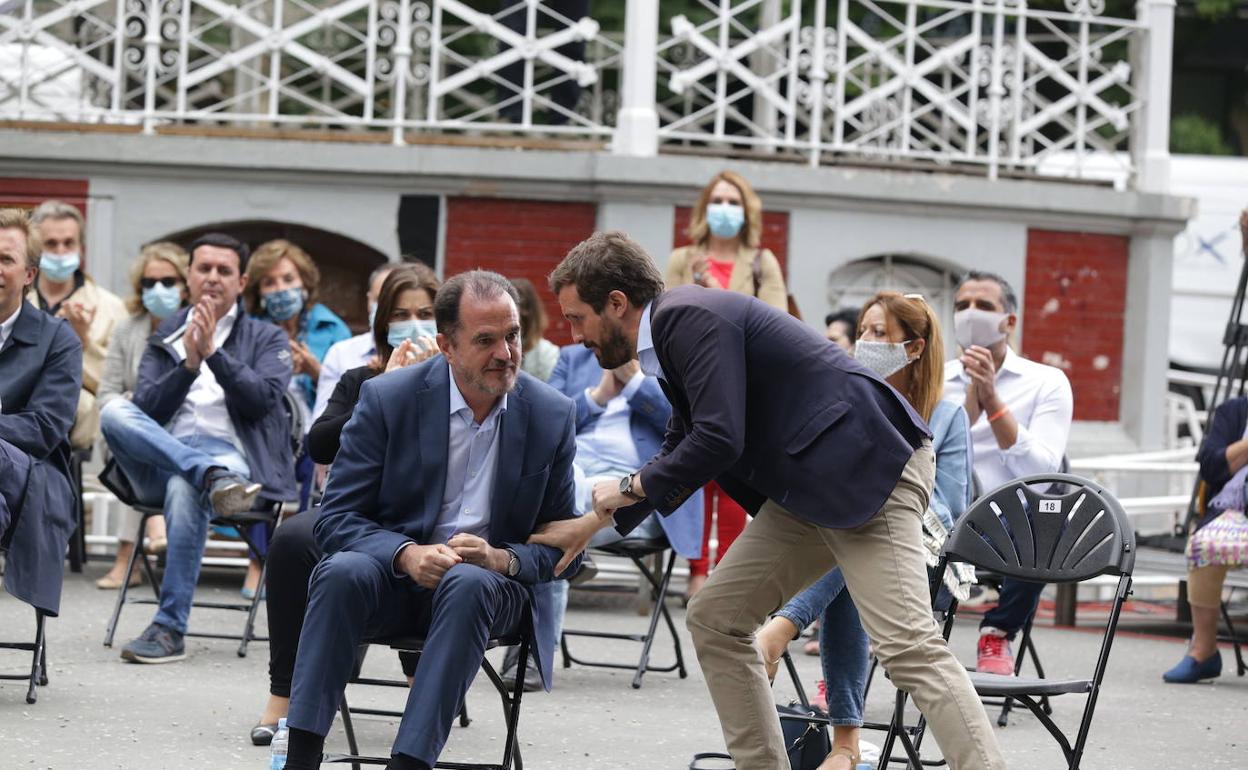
[(775, 233), (518, 238), (1074, 310), (28, 193)]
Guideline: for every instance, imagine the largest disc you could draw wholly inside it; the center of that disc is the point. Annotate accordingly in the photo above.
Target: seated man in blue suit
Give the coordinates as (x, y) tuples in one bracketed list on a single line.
[(444, 472), (40, 376), (621, 415)]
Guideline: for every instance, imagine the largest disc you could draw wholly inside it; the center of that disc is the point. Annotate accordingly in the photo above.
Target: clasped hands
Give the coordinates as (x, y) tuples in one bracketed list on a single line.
[(427, 564)]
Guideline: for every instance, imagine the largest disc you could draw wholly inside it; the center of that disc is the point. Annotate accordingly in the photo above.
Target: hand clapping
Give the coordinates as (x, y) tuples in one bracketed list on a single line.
[(198, 336)]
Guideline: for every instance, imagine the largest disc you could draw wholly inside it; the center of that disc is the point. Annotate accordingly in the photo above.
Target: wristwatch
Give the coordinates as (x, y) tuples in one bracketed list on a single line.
[(626, 488), (513, 564)]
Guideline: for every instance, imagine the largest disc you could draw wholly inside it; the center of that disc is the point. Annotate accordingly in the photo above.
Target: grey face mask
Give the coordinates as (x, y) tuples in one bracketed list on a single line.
[(883, 358), (978, 327)]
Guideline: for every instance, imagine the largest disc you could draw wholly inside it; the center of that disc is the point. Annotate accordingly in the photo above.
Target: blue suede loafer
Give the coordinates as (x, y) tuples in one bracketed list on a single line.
[(1189, 671)]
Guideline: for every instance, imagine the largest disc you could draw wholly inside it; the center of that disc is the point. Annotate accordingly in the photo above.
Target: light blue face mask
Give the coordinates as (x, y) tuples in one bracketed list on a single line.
[(161, 301), (410, 330), (284, 304), (725, 219), (59, 267)]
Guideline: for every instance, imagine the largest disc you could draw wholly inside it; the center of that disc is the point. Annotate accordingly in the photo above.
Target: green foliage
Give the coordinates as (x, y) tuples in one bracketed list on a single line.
[(1196, 135)]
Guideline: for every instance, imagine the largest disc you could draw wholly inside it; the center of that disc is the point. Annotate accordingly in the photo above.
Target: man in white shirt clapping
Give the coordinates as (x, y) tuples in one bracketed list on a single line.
[(1020, 413)]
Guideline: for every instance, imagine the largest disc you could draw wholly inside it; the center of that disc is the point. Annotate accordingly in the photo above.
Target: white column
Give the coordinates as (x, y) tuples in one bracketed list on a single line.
[(1151, 144), (637, 125)]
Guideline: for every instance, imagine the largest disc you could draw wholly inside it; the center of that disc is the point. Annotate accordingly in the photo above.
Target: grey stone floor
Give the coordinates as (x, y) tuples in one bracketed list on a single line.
[(99, 712)]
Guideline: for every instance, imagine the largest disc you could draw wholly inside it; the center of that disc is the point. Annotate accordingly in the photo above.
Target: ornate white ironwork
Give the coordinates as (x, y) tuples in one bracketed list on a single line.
[(989, 83)]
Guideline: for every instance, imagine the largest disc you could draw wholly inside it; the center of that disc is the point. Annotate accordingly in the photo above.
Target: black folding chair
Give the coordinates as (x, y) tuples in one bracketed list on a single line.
[(39, 659), (266, 512), (1022, 533), (510, 700), (78, 544), (637, 550)]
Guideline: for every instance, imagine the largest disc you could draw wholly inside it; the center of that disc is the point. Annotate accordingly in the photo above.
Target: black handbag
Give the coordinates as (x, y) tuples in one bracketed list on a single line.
[(805, 736)]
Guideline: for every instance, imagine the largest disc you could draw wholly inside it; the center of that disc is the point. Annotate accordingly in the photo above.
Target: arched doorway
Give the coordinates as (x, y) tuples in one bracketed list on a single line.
[(852, 284), (345, 263)]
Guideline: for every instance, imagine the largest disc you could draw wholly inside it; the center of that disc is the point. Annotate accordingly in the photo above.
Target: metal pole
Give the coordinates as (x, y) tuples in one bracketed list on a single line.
[(637, 125), (1152, 132)]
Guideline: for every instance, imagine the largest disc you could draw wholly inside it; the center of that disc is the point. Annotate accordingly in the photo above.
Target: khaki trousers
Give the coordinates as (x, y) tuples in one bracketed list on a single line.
[(778, 556)]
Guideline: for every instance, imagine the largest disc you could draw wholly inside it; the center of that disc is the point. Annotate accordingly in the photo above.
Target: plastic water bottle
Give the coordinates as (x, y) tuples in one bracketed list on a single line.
[(281, 740)]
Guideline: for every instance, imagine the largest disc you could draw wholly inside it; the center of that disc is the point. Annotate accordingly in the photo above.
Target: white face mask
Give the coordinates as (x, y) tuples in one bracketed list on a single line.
[(883, 358), (982, 328)]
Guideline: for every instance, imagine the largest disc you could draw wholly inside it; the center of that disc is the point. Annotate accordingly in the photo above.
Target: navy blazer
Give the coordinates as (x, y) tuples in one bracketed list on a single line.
[(40, 377), (389, 476), (649, 411), (253, 368), (766, 406)]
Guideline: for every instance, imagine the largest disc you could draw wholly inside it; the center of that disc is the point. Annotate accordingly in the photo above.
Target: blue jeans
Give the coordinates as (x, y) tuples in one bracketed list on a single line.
[(169, 471), (843, 644)]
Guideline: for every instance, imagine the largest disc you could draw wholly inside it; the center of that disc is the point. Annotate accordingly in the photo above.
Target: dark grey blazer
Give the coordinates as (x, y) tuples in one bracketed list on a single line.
[(770, 409), (40, 376)]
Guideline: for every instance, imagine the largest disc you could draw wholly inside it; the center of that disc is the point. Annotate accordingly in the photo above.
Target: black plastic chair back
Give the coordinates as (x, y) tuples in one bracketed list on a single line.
[(1046, 538)]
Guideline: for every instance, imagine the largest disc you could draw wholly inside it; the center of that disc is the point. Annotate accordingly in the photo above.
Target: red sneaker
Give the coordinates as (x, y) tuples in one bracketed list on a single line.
[(995, 655)]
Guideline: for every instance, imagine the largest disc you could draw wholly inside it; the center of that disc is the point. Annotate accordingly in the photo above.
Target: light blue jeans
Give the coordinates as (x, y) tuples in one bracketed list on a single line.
[(843, 644), (169, 471)]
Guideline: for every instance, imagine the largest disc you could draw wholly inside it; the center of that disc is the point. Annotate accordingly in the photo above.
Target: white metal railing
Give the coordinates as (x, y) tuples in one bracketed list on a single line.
[(1154, 488), (996, 84)]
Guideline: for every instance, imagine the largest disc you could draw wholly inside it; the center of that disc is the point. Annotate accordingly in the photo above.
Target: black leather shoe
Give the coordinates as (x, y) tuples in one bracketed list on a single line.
[(262, 734), (511, 662)]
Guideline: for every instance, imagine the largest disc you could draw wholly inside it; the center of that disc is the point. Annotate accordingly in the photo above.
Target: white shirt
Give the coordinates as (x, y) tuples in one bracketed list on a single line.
[(1040, 399), (6, 328), (471, 461), (608, 446), (646, 353), (339, 359), (203, 412)]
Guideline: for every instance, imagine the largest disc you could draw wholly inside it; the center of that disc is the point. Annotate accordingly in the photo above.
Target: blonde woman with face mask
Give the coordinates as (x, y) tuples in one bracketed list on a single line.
[(899, 339)]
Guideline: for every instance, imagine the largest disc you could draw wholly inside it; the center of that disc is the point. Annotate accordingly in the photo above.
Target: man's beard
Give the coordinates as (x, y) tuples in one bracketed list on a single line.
[(478, 380), (614, 350)]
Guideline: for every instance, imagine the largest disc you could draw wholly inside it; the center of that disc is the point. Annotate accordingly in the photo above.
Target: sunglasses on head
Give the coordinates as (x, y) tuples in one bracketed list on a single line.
[(168, 283)]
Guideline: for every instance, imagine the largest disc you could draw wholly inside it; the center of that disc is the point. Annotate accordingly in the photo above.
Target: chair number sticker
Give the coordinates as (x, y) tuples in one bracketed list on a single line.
[(1050, 506)]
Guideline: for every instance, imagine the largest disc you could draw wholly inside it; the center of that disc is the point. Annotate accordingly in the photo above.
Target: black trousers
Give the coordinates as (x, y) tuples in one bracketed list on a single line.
[(293, 554)]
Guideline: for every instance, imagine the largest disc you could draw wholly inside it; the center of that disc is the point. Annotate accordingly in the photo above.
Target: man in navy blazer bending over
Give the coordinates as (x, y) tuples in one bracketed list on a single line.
[(445, 470), (835, 465)]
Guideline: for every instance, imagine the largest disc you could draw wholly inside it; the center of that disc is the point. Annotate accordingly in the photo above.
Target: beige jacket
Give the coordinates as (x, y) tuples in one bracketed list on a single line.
[(770, 289), (109, 311)]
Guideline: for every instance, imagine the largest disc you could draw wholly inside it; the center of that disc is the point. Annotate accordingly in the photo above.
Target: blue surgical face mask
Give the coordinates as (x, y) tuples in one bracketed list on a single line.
[(161, 301), (410, 330), (284, 304), (59, 267), (725, 219)]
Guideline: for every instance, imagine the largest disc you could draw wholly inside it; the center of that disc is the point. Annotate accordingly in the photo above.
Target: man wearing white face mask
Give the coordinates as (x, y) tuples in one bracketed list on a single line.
[(64, 290), (1020, 413)]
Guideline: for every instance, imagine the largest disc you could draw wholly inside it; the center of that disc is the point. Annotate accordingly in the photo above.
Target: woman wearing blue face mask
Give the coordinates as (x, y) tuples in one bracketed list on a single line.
[(404, 334), (726, 228), (282, 283), (899, 339), (159, 282)]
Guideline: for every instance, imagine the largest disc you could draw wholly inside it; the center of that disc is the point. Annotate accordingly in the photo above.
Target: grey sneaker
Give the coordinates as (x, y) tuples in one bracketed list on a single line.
[(230, 493), (157, 644)]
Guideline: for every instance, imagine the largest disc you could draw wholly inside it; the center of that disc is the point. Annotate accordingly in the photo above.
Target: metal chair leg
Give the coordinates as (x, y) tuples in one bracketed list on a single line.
[(1240, 667), (37, 658), (655, 610), (139, 551), (348, 727)]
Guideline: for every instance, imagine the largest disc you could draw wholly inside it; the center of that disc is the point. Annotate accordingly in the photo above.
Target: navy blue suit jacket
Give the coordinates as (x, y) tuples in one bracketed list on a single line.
[(389, 476), (40, 376), (253, 368), (766, 406), (649, 411)]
